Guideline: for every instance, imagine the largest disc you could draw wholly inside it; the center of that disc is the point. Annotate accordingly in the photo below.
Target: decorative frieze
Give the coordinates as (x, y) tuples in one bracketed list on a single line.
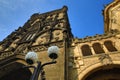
[(39, 48), (44, 47), (4, 55)]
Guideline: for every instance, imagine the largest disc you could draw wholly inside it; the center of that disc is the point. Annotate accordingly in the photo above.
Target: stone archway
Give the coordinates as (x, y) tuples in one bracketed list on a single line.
[(15, 71), (110, 72)]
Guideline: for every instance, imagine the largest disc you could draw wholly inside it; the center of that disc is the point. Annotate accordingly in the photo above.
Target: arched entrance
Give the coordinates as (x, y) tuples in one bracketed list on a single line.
[(15, 71), (111, 72)]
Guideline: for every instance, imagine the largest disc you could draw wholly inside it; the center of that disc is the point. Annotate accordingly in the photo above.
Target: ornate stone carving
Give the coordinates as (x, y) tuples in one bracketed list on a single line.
[(21, 49), (6, 54), (38, 48), (44, 47), (105, 59), (115, 16)]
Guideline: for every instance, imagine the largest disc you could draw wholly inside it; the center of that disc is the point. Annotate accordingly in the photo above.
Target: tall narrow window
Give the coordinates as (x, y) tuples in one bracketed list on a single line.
[(109, 45), (30, 36), (98, 48), (86, 51), (33, 35)]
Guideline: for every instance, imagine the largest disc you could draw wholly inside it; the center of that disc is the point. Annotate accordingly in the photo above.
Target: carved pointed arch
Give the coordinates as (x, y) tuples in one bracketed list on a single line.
[(95, 72)]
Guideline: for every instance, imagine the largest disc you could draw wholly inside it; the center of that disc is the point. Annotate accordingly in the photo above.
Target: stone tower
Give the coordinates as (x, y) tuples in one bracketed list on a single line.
[(38, 33), (90, 58)]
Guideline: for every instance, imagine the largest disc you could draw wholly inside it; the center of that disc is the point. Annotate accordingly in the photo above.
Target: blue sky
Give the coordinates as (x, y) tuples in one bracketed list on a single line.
[(85, 16)]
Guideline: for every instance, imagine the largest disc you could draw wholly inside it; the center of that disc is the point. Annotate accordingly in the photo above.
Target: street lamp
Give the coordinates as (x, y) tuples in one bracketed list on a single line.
[(31, 58)]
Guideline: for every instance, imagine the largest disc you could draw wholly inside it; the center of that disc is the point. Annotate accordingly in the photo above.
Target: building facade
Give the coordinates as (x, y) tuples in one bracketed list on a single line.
[(90, 58)]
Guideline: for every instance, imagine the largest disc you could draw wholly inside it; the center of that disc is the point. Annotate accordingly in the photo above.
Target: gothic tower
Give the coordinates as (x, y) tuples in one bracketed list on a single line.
[(38, 33)]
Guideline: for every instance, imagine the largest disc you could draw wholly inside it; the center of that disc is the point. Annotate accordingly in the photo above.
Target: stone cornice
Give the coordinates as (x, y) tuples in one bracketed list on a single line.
[(96, 37)]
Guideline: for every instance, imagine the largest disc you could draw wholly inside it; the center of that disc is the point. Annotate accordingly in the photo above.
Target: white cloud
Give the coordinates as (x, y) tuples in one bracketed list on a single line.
[(12, 4), (6, 5)]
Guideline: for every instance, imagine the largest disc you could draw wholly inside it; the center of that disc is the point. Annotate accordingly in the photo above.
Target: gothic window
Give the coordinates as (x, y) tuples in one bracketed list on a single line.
[(86, 51), (98, 48), (28, 37), (33, 35), (109, 45)]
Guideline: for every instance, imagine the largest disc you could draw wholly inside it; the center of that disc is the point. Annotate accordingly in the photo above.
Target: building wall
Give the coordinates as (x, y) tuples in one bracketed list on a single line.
[(92, 56), (82, 65)]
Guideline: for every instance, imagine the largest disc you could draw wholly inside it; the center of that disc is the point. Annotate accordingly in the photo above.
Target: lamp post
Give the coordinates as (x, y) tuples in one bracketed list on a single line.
[(31, 58)]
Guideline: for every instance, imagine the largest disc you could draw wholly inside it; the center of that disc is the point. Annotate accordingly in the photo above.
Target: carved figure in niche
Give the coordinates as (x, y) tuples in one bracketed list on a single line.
[(56, 35), (105, 59), (41, 41), (44, 38)]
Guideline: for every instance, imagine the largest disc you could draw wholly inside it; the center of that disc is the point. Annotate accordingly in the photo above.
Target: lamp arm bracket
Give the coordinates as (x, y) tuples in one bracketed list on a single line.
[(52, 62), (29, 67)]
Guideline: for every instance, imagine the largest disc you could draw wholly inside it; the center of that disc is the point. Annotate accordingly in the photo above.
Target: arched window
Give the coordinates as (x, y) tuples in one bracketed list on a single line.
[(86, 51), (98, 48), (109, 45)]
